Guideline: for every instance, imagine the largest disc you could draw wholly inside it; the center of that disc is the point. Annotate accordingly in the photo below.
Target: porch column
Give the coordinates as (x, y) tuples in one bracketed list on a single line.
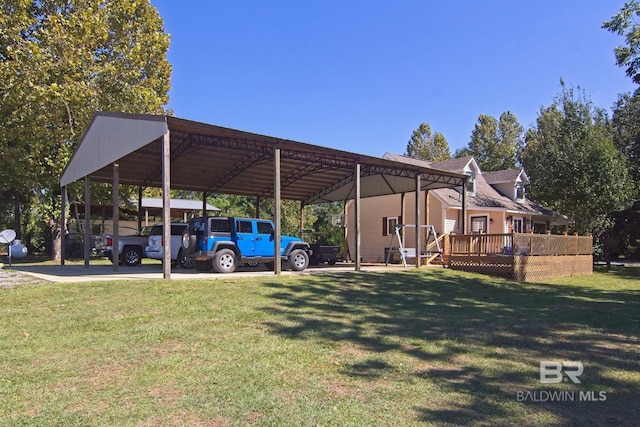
[(87, 221), (357, 213), (464, 207), (166, 205), (418, 220), (277, 269), (115, 237)]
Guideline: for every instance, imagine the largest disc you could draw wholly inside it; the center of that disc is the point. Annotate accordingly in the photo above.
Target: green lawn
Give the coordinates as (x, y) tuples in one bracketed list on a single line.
[(433, 346)]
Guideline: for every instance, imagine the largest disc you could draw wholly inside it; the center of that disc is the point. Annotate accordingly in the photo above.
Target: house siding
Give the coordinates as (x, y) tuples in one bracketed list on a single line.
[(436, 214), (451, 221), (508, 189), (373, 210)]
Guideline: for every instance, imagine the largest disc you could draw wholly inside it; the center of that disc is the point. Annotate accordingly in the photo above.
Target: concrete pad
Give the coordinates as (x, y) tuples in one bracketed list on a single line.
[(79, 273)]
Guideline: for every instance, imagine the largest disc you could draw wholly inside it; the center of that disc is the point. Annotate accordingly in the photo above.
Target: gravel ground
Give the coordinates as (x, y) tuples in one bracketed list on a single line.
[(10, 279)]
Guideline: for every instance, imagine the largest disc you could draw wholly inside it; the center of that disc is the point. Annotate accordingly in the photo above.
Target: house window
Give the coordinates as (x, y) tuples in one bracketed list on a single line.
[(520, 192), (471, 183), (517, 225), (478, 224), (391, 224)]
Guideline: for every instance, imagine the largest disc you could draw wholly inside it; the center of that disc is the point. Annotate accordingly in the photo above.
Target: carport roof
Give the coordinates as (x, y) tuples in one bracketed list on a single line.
[(215, 159)]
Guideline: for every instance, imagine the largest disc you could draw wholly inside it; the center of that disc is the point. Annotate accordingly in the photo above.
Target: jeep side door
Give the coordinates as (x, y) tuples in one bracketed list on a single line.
[(264, 238), (246, 237)]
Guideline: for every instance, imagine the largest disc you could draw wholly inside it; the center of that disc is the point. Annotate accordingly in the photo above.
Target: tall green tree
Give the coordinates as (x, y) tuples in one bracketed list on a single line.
[(60, 61), (626, 136), (626, 23), (574, 165), (495, 143), (427, 146)]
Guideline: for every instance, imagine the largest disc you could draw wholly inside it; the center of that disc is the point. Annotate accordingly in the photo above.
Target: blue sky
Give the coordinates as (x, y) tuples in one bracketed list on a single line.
[(362, 75)]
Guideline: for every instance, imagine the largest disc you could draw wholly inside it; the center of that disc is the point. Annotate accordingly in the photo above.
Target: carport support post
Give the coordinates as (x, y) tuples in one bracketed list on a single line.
[(140, 209), (357, 213), (115, 236), (301, 220), (277, 265), (418, 249), (204, 204), (63, 225), (403, 215), (166, 206), (87, 221)]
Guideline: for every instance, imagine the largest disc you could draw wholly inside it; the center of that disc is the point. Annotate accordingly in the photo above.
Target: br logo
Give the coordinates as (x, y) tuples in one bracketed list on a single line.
[(555, 372)]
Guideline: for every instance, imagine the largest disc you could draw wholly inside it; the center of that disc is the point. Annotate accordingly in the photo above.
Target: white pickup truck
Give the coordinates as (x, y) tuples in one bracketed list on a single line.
[(155, 242), (130, 248)]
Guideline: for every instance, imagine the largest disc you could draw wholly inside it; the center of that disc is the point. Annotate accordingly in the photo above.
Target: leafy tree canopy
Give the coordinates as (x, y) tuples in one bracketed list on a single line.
[(574, 165), (427, 146), (625, 23), (495, 143), (60, 61)]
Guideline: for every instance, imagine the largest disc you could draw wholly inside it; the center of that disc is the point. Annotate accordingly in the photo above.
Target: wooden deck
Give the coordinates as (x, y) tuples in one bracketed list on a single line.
[(523, 257)]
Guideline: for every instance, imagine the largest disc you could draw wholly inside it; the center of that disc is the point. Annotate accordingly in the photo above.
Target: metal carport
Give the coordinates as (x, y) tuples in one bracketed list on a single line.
[(169, 152)]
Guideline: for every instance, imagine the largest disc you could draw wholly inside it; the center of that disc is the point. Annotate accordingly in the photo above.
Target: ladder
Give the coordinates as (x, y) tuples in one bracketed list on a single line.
[(405, 253)]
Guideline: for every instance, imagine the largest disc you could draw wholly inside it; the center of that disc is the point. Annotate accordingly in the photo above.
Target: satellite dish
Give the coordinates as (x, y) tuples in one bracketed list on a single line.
[(7, 236)]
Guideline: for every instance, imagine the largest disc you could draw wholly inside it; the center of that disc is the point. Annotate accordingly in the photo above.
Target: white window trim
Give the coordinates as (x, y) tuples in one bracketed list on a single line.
[(521, 186), (513, 224), (391, 230), (486, 222)]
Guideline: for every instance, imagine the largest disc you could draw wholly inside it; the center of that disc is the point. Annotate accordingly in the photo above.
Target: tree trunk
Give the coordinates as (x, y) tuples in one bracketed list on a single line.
[(17, 217), (56, 240)]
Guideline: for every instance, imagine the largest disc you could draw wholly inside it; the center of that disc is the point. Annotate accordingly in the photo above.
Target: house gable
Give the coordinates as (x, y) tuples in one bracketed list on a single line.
[(510, 183)]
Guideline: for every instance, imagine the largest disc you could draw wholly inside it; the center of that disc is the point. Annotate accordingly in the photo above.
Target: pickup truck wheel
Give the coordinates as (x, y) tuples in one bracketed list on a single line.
[(298, 260), (131, 256), (224, 261), (189, 241), (184, 261)]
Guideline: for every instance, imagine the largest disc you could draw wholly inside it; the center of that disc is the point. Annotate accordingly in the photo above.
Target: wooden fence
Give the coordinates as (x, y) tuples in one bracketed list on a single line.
[(524, 257)]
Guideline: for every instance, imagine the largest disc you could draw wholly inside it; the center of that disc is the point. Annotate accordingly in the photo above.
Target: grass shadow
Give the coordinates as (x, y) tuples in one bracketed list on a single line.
[(477, 336)]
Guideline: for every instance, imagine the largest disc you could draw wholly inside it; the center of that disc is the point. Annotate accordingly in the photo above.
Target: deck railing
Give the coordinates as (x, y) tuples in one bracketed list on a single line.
[(520, 244)]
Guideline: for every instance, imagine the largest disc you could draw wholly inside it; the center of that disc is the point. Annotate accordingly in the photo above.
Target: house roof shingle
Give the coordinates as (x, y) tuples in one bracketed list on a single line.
[(508, 175), (486, 196)]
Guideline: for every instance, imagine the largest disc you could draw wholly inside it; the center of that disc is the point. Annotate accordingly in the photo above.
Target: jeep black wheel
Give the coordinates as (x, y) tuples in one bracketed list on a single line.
[(298, 260), (183, 260), (131, 256), (224, 261)]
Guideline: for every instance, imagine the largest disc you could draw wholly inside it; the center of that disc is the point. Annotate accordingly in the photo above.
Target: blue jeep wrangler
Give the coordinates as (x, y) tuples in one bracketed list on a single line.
[(221, 243)]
